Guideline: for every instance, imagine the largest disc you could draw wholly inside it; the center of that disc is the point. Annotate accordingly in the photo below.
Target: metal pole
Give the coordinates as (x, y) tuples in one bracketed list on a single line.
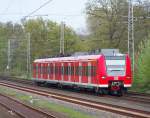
[(29, 43), (131, 32), (8, 54), (28, 56), (132, 36), (129, 27), (62, 38)]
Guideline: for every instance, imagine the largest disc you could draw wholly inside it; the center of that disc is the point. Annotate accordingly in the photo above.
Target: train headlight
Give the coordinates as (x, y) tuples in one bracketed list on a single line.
[(103, 77), (128, 77)]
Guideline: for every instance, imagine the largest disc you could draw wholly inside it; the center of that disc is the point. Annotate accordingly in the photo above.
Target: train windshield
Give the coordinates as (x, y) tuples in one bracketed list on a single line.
[(115, 65)]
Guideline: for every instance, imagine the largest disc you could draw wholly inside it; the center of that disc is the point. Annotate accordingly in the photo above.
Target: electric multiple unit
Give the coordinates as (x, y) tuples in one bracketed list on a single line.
[(102, 73)]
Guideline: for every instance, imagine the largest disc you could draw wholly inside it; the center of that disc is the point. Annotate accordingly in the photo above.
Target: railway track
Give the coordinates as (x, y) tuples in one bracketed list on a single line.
[(136, 99), (21, 109), (130, 96), (88, 103)]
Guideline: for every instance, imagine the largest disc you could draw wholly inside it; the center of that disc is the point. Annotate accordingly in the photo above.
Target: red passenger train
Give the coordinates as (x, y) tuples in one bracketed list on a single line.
[(102, 73)]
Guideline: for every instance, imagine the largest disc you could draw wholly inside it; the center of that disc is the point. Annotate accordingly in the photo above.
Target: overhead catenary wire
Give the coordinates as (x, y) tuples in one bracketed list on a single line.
[(37, 9)]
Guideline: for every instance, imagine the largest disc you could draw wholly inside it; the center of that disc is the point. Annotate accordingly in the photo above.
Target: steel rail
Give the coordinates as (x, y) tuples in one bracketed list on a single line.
[(127, 96), (92, 104), (48, 115), (8, 108)]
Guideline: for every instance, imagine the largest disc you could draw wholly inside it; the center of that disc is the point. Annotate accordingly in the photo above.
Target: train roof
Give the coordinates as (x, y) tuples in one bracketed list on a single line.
[(73, 58)]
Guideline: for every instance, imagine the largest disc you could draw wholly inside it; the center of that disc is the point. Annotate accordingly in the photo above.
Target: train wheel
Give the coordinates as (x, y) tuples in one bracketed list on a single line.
[(98, 91), (38, 83), (59, 85), (120, 93)]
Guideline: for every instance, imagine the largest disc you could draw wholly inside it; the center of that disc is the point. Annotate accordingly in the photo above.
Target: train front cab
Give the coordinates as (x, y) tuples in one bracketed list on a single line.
[(115, 73)]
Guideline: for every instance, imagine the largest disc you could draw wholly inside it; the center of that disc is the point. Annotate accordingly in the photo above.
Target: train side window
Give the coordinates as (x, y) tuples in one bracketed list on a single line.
[(48, 70), (51, 68), (84, 71), (93, 70), (44, 69), (72, 70), (68, 70), (36, 68), (93, 73), (76, 70), (80, 70), (41, 70), (62, 70), (59, 70), (56, 69), (89, 70)]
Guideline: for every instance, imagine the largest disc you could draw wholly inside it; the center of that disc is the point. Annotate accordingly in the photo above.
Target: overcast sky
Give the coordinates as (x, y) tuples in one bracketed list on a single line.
[(69, 11)]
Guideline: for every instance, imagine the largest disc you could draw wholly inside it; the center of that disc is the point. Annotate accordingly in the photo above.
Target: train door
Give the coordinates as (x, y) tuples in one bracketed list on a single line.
[(89, 72), (84, 72), (43, 71), (46, 70), (51, 71), (93, 72), (65, 71), (58, 71), (62, 71), (39, 70), (34, 70), (54, 66), (76, 77), (80, 72), (69, 72), (72, 71)]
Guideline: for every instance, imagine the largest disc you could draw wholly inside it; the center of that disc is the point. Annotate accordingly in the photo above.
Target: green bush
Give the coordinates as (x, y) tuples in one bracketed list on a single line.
[(142, 74)]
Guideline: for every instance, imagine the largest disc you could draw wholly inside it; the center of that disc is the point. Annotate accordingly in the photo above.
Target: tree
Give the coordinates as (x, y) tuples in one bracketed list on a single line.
[(45, 38), (142, 75), (107, 23)]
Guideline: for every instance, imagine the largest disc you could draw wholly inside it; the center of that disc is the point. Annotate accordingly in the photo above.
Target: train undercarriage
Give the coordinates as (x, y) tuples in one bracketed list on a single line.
[(115, 88)]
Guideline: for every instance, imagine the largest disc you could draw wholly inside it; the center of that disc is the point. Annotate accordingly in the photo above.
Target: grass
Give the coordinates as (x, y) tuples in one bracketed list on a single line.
[(71, 113)]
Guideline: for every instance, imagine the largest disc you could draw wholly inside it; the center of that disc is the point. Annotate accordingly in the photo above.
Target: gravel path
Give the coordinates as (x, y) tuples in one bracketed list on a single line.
[(5, 113)]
